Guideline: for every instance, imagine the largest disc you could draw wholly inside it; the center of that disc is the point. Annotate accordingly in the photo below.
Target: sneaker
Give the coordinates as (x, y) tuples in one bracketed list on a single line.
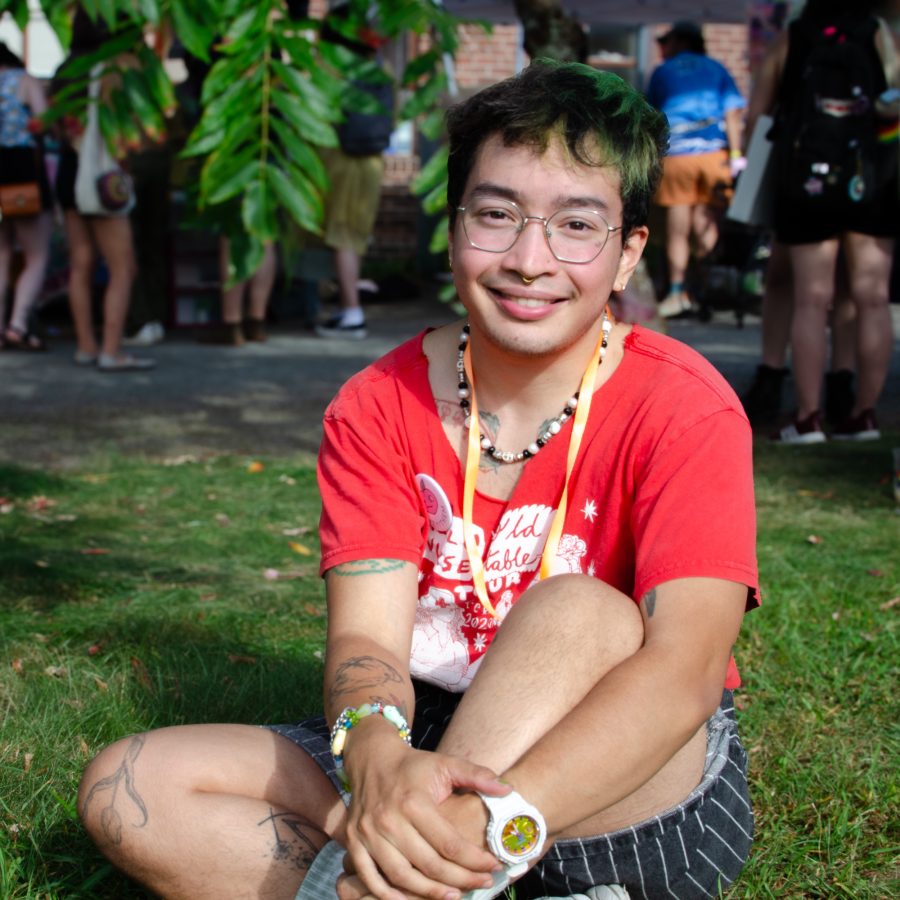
[(802, 431), (147, 335), (335, 328), (107, 363), (863, 427), (83, 358), (674, 305)]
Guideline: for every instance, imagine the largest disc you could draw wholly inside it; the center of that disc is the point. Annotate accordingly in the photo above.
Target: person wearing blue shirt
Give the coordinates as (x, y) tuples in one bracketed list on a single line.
[(703, 107)]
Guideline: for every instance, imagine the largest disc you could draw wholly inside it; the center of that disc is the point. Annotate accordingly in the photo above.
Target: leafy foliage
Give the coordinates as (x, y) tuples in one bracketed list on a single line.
[(272, 96)]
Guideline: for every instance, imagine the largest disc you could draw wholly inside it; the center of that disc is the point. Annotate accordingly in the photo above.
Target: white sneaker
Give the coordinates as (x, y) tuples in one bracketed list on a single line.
[(147, 335), (598, 892), (674, 305)]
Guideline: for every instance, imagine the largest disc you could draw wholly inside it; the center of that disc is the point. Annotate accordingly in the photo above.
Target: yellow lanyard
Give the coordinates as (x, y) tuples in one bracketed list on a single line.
[(473, 456)]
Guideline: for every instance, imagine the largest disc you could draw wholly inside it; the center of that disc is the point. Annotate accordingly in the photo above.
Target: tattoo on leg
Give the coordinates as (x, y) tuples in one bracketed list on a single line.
[(367, 567), (291, 843), (110, 818), (649, 602)]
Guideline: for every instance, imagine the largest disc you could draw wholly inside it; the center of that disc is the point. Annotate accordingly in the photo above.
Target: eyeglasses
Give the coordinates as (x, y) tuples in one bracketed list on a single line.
[(573, 235)]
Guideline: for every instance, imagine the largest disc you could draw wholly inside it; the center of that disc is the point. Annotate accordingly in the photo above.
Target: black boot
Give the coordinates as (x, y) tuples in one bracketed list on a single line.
[(839, 396), (762, 401)]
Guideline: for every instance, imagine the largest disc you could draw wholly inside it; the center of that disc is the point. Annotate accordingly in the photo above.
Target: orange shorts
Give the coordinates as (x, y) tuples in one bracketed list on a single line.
[(694, 179)]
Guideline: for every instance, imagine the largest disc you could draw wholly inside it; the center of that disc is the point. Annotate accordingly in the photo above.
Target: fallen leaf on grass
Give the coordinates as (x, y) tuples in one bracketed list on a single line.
[(182, 460), (83, 746), (42, 563), (142, 675), (207, 598), (814, 539), (6, 506), (94, 649), (286, 479), (18, 666), (94, 551), (255, 467), (278, 575), (875, 573), (241, 658), (56, 671), (223, 520), (866, 636), (890, 604), (66, 517), (302, 549), (271, 574), (14, 830), (836, 615), (311, 610), (296, 532), (36, 504), (819, 495), (100, 684)]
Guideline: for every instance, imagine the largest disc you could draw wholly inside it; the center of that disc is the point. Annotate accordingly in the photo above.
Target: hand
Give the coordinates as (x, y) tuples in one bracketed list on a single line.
[(401, 841), (737, 164)]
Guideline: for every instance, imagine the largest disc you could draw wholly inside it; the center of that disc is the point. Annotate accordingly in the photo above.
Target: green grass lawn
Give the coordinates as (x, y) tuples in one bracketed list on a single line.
[(135, 594)]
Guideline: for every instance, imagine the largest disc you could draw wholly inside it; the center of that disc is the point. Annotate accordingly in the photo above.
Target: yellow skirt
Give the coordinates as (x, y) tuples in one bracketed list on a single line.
[(352, 202)]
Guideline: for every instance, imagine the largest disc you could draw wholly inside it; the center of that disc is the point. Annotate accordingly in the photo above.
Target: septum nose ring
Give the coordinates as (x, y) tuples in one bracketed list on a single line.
[(527, 280)]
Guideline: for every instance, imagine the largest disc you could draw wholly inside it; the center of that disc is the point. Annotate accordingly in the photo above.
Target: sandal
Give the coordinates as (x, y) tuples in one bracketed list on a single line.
[(16, 339)]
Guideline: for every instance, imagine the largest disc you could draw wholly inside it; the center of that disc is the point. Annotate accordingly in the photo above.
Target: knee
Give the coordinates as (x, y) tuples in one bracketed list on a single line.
[(583, 610)]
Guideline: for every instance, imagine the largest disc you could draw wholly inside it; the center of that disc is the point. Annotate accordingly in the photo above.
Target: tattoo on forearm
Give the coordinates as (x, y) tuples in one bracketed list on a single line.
[(360, 673), (649, 602), (291, 842), (110, 817), (367, 567)]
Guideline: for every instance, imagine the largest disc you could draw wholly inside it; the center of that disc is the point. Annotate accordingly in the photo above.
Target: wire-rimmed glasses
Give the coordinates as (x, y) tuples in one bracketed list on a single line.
[(573, 235)]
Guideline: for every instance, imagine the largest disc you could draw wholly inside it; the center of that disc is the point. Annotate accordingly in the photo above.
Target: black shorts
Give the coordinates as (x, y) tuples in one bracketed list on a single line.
[(20, 165), (695, 849)]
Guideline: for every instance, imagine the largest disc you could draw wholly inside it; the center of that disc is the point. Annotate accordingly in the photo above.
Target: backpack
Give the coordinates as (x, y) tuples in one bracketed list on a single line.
[(365, 134), (826, 128)]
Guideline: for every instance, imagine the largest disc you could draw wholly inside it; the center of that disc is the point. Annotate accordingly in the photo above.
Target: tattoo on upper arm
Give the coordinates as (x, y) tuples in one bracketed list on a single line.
[(649, 601), (361, 673), (292, 843), (123, 777), (367, 567)]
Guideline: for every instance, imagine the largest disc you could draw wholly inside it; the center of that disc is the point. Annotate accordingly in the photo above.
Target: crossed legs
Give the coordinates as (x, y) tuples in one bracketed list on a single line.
[(210, 811)]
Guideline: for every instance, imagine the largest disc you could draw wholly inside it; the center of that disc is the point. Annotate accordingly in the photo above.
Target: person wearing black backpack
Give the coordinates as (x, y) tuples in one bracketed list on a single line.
[(836, 188), (355, 170)]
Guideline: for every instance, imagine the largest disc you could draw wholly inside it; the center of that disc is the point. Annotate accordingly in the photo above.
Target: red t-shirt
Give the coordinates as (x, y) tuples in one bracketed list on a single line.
[(662, 489)]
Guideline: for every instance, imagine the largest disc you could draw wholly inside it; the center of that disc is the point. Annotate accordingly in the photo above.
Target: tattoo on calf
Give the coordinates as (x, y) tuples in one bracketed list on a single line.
[(367, 567), (649, 602), (111, 817), (291, 842)]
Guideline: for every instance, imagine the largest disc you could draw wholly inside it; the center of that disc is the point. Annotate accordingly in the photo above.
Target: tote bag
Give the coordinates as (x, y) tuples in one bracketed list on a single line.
[(754, 197), (102, 188)]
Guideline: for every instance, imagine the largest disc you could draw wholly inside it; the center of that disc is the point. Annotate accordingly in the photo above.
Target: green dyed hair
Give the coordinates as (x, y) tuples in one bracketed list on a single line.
[(602, 120)]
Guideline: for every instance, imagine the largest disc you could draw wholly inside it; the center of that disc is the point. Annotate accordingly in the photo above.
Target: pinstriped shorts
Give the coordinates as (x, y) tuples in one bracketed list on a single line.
[(693, 850)]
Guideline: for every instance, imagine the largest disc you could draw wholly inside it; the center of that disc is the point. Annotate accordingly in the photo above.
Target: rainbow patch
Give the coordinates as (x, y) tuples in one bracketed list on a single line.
[(889, 131)]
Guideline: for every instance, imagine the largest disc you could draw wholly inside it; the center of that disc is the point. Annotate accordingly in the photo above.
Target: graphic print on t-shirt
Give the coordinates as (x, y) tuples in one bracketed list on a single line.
[(452, 628)]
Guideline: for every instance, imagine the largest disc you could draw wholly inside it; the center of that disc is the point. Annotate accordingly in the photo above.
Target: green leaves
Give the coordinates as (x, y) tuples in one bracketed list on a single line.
[(271, 99)]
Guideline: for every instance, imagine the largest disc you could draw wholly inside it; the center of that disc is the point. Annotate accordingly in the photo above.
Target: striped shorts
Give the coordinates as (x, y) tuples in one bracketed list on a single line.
[(695, 849)]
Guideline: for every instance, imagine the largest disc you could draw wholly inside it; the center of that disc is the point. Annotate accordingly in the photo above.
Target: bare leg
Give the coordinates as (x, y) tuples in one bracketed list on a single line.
[(6, 257), (705, 228), (81, 270), (34, 237), (210, 811), (347, 264), (869, 266), (814, 269), (113, 236), (573, 664), (233, 296), (678, 247), (777, 308), (261, 284)]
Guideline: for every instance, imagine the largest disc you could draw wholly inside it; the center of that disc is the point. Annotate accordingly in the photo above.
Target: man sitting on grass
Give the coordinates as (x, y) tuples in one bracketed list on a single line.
[(538, 545)]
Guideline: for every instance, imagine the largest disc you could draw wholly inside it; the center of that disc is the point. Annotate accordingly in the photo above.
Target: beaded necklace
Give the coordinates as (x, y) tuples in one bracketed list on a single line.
[(487, 448), (475, 448)]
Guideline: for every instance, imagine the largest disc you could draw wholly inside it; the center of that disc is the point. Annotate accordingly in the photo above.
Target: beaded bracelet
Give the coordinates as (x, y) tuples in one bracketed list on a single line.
[(353, 716)]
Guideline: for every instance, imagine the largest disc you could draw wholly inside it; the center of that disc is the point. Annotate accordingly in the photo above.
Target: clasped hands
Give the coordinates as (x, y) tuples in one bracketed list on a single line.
[(414, 829)]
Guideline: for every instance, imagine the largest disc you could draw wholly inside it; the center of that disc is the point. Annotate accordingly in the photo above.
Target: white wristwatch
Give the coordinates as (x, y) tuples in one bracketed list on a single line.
[(516, 831)]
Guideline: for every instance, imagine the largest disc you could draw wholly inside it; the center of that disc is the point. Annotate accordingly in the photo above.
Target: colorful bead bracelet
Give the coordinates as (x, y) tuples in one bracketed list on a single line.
[(353, 716)]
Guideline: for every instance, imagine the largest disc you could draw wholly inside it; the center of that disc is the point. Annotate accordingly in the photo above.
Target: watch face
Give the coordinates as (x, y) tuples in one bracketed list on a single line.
[(520, 835)]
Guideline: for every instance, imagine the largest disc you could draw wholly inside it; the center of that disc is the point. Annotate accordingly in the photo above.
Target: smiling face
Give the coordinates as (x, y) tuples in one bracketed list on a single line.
[(560, 310)]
